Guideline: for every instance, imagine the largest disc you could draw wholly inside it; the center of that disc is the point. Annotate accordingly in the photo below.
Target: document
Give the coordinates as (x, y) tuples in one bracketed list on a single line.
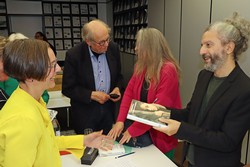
[(67, 33), (56, 8), (47, 8), (48, 21), (65, 9), (59, 45), (57, 21), (66, 21), (84, 20), (76, 21), (49, 33), (76, 33), (67, 44), (58, 33), (92, 9), (84, 8), (76, 41), (74, 9)]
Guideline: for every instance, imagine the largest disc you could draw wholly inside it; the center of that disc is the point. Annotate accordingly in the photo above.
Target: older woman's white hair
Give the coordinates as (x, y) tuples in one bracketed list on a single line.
[(15, 36)]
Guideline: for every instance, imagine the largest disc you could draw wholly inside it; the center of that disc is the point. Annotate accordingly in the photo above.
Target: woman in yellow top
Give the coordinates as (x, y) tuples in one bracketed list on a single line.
[(26, 134)]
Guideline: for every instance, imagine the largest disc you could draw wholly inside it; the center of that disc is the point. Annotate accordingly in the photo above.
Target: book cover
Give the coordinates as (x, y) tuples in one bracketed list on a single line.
[(147, 113)]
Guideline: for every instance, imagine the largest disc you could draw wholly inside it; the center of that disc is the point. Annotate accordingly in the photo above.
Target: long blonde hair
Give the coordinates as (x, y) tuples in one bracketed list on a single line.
[(153, 51)]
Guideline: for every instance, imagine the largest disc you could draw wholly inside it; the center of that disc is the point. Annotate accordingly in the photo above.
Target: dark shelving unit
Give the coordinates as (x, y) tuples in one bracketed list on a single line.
[(129, 16), (4, 30)]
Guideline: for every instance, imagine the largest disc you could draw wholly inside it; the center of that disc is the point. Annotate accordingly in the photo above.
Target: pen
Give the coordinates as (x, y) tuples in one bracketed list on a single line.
[(155, 100), (124, 155)]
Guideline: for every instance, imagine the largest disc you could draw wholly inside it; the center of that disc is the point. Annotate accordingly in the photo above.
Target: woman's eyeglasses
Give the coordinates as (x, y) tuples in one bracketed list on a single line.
[(53, 65)]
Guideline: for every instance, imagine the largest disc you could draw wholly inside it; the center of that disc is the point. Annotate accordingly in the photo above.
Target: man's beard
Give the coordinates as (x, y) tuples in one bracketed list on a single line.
[(216, 62)]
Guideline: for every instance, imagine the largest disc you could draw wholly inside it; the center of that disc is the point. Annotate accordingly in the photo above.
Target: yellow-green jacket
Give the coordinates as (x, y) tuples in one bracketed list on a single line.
[(26, 134)]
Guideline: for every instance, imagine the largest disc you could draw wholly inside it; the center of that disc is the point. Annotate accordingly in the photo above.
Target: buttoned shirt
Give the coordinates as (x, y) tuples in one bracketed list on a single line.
[(101, 72)]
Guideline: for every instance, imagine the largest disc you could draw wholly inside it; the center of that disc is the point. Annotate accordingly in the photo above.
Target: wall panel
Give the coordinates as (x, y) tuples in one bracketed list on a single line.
[(172, 25), (195, 17)]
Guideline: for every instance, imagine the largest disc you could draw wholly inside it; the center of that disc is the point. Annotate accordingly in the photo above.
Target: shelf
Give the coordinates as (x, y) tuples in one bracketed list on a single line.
[(129, 17), (4, 29)]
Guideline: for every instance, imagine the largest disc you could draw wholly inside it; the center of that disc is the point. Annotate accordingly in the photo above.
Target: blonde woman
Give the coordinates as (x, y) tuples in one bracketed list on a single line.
[(155, 79)]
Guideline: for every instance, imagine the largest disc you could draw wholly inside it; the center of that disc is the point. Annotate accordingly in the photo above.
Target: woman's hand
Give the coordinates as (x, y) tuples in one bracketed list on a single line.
[(116, 130), (125, 138), (97, 140)]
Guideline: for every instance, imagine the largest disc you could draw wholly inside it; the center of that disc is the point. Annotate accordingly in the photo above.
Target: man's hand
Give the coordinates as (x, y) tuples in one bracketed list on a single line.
[(99, 96), (116, 91), (172, 126)]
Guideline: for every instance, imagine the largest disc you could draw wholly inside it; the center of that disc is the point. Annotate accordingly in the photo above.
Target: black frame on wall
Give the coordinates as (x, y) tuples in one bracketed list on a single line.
[(63, 21), (129, 16)]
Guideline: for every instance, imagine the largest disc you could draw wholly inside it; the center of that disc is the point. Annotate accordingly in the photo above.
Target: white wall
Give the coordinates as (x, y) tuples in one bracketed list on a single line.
[(26, 16), (195, 16), (242, 7)]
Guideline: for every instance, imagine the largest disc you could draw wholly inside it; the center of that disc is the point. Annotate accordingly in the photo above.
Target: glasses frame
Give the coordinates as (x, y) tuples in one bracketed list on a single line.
[(102, 43), (53, 66)]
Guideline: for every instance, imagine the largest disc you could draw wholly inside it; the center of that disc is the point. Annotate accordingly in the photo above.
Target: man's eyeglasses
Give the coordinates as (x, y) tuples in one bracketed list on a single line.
[(102, 43)]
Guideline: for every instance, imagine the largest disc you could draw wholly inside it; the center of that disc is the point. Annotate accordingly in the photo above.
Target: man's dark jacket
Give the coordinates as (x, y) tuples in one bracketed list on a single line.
[(78, 83), (218, 138)]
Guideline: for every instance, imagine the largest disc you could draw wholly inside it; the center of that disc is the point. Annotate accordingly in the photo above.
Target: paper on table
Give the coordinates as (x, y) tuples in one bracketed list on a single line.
[(117, 149)]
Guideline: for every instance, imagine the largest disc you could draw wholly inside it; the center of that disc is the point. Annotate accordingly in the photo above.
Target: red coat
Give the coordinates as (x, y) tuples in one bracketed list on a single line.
[(167, 93)]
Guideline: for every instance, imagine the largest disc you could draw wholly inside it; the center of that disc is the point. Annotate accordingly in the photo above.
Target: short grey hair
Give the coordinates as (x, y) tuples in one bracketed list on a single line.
[(87, 32)]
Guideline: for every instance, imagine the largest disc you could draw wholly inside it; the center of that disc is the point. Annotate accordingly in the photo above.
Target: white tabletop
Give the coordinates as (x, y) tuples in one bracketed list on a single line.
[(143, 157), (57, 100)]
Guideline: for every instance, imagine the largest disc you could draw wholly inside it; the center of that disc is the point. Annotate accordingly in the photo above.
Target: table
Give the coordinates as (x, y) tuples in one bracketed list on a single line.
[(57, 100), (143, 157)]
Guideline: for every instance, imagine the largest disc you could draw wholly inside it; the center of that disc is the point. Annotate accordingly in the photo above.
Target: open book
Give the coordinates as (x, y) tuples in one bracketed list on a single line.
[(147, 113)]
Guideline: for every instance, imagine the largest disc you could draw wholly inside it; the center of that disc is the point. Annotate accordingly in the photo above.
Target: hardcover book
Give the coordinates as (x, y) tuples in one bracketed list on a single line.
[(148, 113)]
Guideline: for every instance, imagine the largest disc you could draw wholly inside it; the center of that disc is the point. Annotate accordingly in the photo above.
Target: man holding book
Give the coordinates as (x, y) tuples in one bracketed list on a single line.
[(216, 119)]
